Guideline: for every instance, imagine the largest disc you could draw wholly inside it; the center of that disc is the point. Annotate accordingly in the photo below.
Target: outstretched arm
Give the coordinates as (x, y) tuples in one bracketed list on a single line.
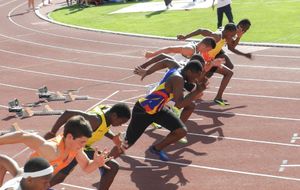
[(232, 48), (203, 32), (7, 164), (168, 50), (31, 140), (65, 117), (165, 63)]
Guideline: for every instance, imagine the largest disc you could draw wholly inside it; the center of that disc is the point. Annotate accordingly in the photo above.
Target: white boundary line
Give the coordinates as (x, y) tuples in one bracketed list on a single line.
[(199, 110), (216, 169)]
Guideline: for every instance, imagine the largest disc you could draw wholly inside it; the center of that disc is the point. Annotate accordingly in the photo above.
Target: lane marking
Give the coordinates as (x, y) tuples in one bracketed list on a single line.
[(216, 169), (240, 139), (199, 110), (294, 138), (281, 168)]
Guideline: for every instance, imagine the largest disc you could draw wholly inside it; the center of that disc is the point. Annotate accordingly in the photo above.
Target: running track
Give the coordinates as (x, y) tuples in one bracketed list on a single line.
[(258, 126)]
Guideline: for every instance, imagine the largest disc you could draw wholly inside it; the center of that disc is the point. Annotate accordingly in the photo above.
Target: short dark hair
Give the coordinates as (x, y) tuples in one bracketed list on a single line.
[(78, 127), (36, 164), (230, 27), (244, 22), (121, 109), (199, 58), (209, 41), (193, 65)]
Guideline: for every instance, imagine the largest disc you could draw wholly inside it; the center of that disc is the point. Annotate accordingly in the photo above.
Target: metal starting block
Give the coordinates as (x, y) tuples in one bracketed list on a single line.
[(58, 96), (15, 127), (14, 106)]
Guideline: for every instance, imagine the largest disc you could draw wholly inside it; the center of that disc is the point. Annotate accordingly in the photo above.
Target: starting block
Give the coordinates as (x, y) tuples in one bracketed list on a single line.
[(44, 93), (14, 106), (15, 127)]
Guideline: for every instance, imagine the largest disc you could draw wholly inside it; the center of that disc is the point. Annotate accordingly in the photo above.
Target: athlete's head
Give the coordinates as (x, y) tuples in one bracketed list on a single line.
[(244, 24), (229, 30), (37, 174), (119, 114), (206, 45), (76, 132), (192, 71)]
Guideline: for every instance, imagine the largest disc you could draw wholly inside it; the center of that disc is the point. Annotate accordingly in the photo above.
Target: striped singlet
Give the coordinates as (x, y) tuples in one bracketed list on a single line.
[(156, 100)]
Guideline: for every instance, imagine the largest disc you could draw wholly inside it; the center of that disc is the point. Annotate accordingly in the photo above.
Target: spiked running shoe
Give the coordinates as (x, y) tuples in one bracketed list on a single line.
[(156, 126), (221, 102), (162, 155), (183, 140)]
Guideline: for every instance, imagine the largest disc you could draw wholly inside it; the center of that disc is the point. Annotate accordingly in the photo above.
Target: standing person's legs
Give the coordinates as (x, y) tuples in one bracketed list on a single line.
[(228, 13), (220, 16)]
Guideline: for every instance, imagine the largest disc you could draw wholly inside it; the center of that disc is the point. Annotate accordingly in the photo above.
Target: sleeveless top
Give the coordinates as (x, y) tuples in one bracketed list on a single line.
[(156, 100), (101, 130), (210, 55), (60, 162), (192, 45), (14, 183)]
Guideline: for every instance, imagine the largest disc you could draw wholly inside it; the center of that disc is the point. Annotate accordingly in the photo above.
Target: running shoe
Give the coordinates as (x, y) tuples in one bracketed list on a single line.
[(162, 155), (156, 126), (221, 102), (183, 140)]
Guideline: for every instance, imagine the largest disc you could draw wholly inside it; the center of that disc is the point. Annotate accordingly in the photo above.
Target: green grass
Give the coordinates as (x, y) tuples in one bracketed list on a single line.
[(276, 21)]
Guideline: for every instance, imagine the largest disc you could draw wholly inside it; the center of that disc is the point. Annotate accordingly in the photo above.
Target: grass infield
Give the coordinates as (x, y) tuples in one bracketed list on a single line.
[(275, 21)]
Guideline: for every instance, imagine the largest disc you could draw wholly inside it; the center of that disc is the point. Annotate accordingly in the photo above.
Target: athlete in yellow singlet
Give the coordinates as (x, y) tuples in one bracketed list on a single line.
[(101, 118), (229, 36)]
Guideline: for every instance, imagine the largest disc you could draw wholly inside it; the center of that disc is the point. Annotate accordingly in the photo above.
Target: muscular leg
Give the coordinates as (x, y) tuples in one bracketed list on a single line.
[(228, 62), (109, 175), (187, 112), (171, 138), (227, 74)]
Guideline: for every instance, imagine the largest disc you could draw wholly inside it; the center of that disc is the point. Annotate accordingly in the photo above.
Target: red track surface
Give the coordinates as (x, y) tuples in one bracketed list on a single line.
[(258, 126)]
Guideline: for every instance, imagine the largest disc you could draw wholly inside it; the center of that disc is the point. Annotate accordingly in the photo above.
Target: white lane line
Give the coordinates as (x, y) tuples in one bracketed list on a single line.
[(51, 34), (281, 168), (199, 110), (122, 68), (240, 139), (69, 37), (7, 3), (249, 115), (256, 96), (142, 86), (75, 186), (294, 138), (216, 169), (262, 80), (73, 77), (278, 56)]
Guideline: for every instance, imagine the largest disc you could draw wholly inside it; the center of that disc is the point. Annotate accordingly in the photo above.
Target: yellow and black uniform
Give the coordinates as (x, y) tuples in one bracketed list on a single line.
[(212, 54), (151, 109), (97, 135)]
